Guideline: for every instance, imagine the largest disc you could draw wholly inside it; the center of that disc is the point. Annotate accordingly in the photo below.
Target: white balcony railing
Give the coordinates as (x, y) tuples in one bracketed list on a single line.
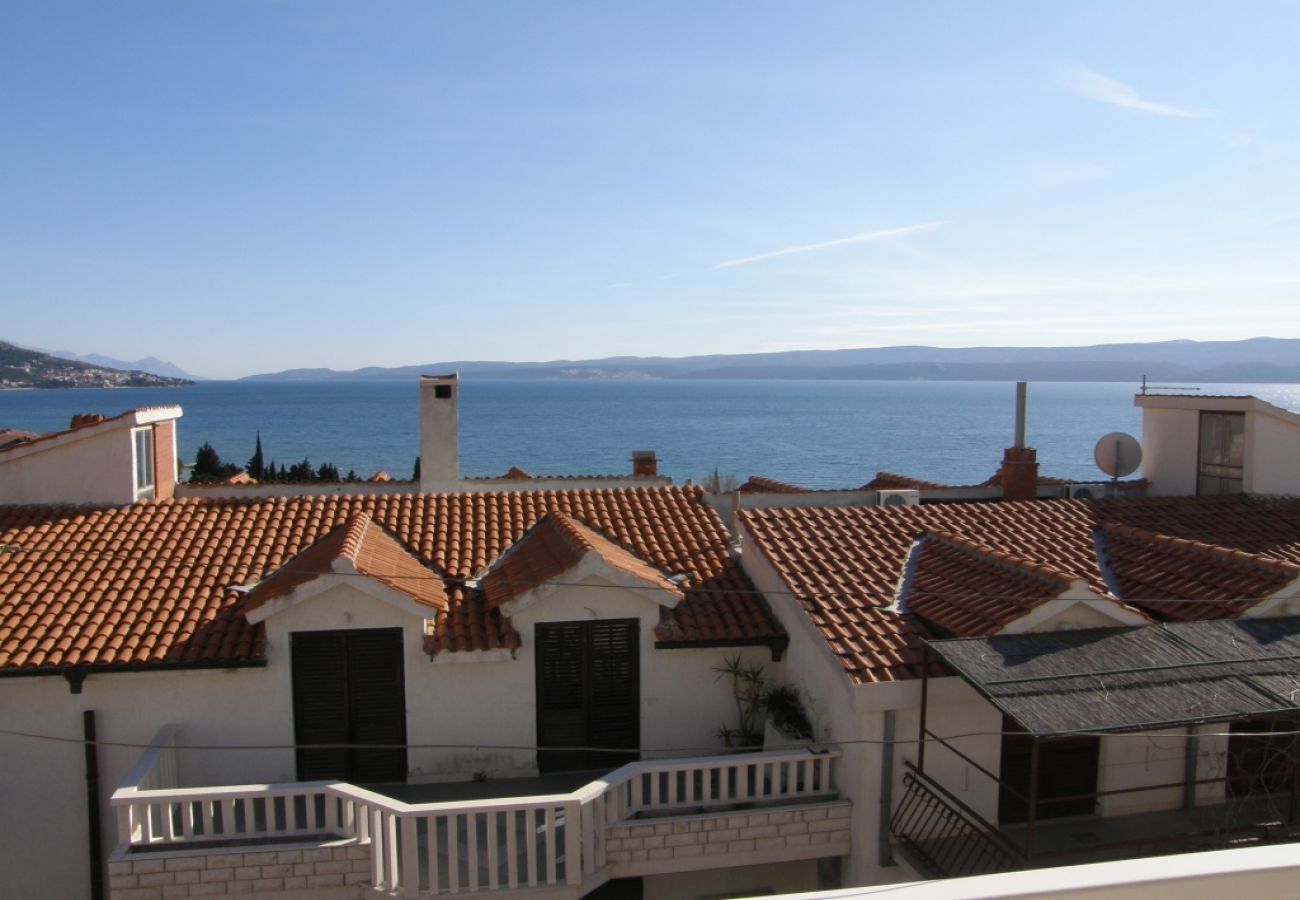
[(435, 848)]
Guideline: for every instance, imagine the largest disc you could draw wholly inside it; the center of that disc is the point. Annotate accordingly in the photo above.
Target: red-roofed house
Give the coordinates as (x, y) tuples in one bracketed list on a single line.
[(122, 459), (862, 591), (424, 693)]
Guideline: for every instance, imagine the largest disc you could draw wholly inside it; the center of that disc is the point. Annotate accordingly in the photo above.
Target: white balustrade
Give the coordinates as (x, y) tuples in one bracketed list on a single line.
[(462, 846)]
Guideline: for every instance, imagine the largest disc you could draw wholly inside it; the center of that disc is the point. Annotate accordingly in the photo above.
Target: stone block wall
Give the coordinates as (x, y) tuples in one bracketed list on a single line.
[(744, 837), (326, 871)]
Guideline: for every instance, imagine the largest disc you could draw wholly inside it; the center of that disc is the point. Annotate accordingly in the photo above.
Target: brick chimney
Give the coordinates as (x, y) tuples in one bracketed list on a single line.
[(644, 462), (1019, 472)]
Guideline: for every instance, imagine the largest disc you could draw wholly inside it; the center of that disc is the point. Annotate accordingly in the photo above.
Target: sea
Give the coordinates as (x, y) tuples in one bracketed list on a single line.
[(820, 434)]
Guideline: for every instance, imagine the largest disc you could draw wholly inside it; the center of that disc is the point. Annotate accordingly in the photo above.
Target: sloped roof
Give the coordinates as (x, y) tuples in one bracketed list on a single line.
[(886, 481), (843, 564), (1135, 679), (150, 583), (357, 546), (84, 423), (968, 588), (757, 484), (556, 544)]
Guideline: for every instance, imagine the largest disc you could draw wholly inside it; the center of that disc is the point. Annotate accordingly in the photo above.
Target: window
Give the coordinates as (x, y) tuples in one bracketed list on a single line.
[(144, 485), (1222, 453)]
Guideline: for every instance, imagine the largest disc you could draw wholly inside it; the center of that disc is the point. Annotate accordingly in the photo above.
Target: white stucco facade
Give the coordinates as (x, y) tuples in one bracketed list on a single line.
[(1170, 443), (94, 464), (482, 703)]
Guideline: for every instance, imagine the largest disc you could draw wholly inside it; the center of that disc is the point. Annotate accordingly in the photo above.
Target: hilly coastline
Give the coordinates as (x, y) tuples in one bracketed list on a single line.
[(1262, 359), (26, 369)]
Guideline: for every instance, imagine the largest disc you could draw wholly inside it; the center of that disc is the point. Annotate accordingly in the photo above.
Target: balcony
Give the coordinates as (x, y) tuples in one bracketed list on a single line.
[(342, 840)]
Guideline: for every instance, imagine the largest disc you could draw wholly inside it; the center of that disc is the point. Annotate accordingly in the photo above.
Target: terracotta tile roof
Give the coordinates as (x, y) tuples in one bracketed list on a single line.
[(379, 477), (1043, 480), (11, 436), (239, 478), (84, 420), (843, 564), (516, 472), (150, 583), (1148, 567), (359, 546), (552, 547), (968, 588), (888, 481), (757, 484)]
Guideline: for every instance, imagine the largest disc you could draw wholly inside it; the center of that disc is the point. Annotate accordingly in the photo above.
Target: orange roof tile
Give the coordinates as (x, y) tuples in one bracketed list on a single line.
[(150, 583), (968, 588), (843, 564), (885, 481), (1149, 567), (552, 547), (379, 477), (363, 547), (757, 484)]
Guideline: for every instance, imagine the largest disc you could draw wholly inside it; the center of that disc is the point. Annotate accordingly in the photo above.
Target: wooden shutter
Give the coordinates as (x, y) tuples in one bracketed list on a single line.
[(613, 712), (377, 704), (588, 693), (348, 688), (320, 703)]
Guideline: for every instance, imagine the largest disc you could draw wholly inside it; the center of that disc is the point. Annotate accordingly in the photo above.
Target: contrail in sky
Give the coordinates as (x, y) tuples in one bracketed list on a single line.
[(882, 235)]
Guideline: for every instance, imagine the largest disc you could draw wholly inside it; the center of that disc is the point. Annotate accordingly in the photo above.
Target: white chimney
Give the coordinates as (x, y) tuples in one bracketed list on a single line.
[(439, 441)]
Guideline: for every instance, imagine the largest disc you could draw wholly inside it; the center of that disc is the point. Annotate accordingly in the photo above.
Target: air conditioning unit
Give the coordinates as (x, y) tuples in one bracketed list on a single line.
[(1089, 491), (908, 497)]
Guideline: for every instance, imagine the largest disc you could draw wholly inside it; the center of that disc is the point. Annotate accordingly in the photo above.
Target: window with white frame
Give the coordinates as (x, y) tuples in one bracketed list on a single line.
[(144, 480)]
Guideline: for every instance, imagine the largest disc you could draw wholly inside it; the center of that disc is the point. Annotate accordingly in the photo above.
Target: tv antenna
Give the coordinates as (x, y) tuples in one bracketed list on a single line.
[(1165, 387)]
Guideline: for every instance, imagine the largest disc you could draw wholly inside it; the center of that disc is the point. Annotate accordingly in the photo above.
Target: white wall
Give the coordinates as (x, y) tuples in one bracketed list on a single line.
[(1158, 757), (1170, 443), (1170, 450), (90, 469), (743, 881), (448, 700), (1273, 446)]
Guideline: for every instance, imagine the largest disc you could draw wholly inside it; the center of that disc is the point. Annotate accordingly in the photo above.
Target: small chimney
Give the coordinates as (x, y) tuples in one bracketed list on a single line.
[(439, 440), (1019, 472), (644, 462)]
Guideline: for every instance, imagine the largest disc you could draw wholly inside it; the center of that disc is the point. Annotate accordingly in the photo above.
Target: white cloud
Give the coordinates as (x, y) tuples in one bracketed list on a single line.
[(1095, 86), (866, 237)]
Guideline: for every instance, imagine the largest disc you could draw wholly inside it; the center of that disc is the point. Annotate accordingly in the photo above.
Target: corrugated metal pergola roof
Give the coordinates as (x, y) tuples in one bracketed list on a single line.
[(1135, 679)]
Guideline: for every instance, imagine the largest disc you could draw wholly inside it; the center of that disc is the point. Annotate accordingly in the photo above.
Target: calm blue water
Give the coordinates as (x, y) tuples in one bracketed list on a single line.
[(815, 433)]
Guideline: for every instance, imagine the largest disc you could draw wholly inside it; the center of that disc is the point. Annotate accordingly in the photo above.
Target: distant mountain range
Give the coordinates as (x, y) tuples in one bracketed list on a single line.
[(151, 364), (1255, 360), (23, 368)]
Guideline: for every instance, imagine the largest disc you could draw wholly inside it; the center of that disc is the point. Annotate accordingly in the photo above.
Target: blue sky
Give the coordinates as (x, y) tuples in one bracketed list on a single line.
[(243, 188)]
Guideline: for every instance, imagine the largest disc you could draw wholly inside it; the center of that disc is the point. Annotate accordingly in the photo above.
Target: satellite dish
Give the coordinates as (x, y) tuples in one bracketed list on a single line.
[(1118, 454)]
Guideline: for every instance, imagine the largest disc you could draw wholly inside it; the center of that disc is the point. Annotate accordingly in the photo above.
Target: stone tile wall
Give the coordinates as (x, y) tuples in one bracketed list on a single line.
[(220, 873), (752, 835)]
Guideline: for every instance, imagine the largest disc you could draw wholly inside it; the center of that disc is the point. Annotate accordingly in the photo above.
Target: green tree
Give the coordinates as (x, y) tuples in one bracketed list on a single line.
[(208, 466), (256, 467), (327, 472), (416, 475), (300, 472)]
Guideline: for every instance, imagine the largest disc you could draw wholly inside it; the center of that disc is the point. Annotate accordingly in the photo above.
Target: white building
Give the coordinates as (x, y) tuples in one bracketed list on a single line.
[(100, 460), (431, 647), (1195, 444)]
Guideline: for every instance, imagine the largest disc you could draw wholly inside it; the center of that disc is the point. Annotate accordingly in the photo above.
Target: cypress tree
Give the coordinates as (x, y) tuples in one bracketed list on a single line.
[(255, 466)]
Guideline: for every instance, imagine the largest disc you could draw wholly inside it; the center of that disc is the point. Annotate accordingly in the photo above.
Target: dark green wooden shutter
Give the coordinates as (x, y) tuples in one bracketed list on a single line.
[(588, 693), (348, 688), (377, 704)]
